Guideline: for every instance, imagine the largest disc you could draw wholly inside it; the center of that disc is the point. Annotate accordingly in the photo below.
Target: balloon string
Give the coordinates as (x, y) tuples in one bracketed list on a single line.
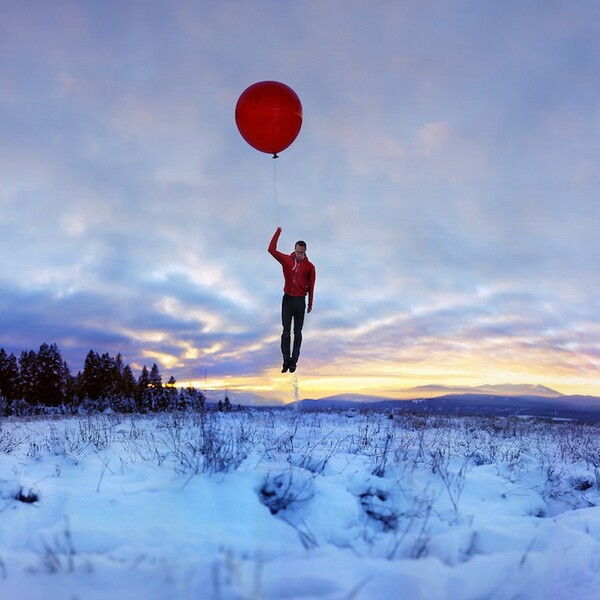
[(276, 201)]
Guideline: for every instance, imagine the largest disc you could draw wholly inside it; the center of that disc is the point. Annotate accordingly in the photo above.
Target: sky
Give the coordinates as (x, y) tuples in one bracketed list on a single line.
[(445, 180)]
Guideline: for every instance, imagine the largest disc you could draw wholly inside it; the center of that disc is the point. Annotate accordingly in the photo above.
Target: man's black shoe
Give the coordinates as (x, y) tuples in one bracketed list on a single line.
[(285, 367), (292, 368)]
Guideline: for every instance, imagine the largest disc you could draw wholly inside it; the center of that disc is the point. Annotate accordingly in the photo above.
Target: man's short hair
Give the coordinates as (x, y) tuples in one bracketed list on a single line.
[(300, 243)]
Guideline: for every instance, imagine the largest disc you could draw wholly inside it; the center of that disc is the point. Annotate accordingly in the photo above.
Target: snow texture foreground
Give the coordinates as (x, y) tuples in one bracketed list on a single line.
[(279, 504)]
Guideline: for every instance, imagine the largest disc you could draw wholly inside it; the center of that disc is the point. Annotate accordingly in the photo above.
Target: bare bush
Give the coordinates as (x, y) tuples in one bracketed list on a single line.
[(285, 490), (9, 441)]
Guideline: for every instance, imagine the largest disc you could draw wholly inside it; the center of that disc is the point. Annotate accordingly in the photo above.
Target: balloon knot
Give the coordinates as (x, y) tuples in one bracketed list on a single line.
[(275, 156)]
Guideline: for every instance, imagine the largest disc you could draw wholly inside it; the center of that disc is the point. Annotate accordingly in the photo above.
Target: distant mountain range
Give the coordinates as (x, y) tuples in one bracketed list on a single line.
[(492, 400), (508, 389), (501, 400)]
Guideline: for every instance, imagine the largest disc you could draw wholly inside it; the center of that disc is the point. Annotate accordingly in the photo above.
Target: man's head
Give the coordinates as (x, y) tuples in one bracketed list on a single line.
[(300, 249)]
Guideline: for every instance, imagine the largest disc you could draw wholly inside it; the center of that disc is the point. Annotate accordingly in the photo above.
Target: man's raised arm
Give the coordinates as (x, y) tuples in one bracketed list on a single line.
[(273, 243)]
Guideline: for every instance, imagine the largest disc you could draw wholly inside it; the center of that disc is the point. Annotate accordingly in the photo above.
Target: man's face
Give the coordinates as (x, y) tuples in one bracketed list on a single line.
[(300, 252)]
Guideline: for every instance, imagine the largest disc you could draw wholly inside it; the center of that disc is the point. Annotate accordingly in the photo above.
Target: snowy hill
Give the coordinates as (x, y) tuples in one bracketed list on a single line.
[(586, 408), (502, 389), (511, 389)]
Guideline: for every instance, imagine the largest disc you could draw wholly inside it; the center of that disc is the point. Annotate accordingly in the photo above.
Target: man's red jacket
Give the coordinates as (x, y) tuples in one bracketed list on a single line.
[(299, 275)]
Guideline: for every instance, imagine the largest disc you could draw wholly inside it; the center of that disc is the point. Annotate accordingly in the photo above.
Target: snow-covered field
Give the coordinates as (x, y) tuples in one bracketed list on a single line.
[(281, 504)]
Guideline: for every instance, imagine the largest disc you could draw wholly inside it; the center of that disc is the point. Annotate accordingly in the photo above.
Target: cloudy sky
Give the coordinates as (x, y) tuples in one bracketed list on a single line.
[(446, 180)]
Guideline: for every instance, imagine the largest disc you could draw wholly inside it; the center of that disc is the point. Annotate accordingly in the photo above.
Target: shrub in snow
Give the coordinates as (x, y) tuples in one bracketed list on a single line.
[(13, 491), (286, 490), (582, 483), (378, 506), (27, 497), (9, 441), (208, 443), (480, 458)]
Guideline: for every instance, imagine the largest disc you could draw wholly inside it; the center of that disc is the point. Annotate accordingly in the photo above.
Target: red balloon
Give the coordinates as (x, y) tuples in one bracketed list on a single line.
[(269, 116)]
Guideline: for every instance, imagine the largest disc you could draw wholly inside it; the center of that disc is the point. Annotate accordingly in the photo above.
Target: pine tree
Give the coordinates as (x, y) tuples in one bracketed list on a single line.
[(28, 377), (128, 383), (144, 392), (50, 385), (171, 394), (71, 400), (107, 376), (192, 399), (157, 392), (9, 377), (125, 397), (90, 382)]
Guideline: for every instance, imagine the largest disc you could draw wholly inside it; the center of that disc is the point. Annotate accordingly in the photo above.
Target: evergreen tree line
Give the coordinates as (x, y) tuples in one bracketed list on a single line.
[(41, 382)]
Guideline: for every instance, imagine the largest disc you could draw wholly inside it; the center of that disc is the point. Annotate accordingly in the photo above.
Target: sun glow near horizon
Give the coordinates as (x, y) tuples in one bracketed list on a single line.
[(402, 372), (281, 387)]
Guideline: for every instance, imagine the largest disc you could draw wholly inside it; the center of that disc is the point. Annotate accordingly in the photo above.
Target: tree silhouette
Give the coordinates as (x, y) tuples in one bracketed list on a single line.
[(41, 381)]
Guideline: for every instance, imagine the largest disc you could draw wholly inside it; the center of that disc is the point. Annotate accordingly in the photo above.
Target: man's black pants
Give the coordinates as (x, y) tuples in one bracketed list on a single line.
[(292, 308)]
